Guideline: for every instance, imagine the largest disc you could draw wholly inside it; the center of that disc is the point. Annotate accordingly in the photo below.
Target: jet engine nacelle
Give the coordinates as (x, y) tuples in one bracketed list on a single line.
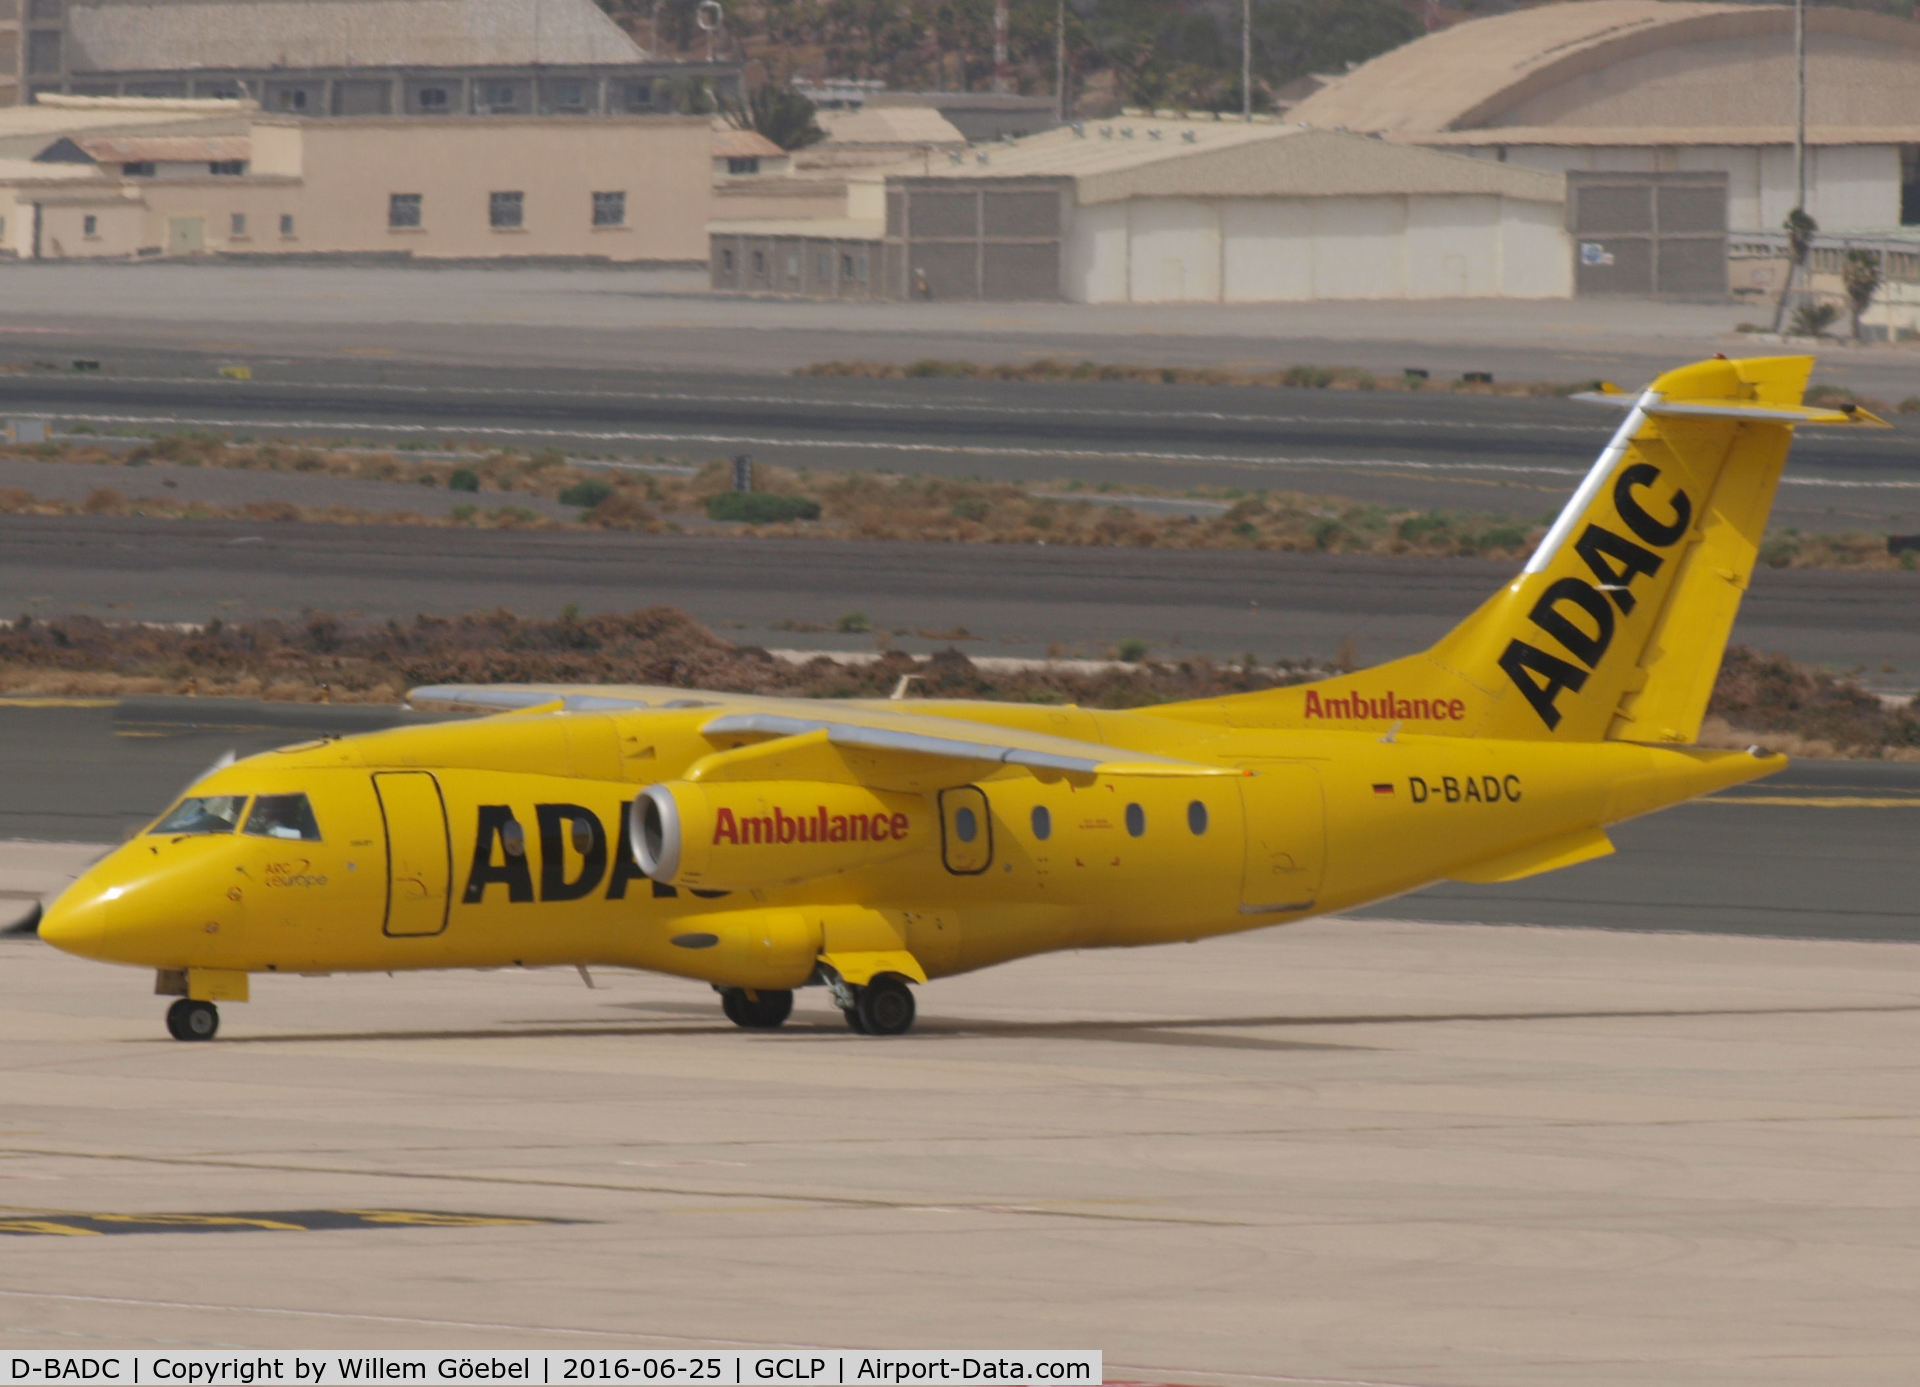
[(738, 836)]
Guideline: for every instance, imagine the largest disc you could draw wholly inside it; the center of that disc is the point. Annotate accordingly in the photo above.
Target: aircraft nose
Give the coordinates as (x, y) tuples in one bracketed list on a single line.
[(77, 922)]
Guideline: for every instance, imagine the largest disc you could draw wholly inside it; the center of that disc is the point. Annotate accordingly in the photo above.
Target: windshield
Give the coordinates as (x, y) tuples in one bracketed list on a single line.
[(203, 814), (283, 816)]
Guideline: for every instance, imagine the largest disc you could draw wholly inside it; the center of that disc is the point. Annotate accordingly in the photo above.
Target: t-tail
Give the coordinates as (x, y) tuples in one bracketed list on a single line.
[(1615, 628)]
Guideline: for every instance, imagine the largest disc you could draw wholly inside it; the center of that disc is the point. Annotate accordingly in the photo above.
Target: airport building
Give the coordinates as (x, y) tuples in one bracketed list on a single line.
[(1656, 101), (1166, 210), (430, 58), (124, 179)]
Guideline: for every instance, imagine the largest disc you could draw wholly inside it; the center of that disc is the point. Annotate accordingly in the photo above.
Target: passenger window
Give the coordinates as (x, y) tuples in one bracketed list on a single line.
[(203, 814), (1136, 820), (283, 816), (1197, 818), (965, 825), (1042, 823)]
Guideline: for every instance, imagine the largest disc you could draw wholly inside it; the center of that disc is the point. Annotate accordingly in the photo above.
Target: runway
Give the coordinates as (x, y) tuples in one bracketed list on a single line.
[(1488, 454), (1010, 599)]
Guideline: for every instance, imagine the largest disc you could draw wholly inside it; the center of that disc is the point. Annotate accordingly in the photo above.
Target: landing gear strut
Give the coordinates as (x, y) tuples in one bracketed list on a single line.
[(760, 1009), (190, 1020), (883, 1007)]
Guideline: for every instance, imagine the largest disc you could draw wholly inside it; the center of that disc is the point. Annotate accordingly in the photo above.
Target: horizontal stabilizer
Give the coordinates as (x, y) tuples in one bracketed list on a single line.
[(1550, 856)]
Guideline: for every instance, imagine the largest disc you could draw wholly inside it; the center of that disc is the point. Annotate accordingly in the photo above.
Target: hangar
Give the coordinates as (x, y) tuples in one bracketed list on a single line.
[(1664, 87), (1164, 209)]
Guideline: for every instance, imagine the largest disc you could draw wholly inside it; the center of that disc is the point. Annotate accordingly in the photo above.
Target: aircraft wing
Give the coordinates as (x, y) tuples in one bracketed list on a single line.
[(739, 720)]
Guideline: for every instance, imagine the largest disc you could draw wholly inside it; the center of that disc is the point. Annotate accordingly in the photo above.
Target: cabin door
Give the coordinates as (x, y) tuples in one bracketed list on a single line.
[(1286, 838), (419, 852)]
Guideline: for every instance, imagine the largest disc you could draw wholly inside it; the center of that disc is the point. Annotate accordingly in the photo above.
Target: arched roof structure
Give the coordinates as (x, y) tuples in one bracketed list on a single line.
[(1632, 72)]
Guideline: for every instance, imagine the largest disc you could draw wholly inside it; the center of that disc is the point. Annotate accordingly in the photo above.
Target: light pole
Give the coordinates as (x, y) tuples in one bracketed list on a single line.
[(1060, 64), (1246, 60)]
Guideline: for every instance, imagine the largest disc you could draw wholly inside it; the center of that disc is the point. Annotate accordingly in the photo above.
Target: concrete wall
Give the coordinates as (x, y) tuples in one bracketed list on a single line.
[(1849, 187), (1254, 250), (662, 164)]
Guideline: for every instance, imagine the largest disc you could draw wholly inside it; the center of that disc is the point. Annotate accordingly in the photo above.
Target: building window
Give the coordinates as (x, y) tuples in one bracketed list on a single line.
[(43, 9), (498, 96), (759, 263), (43, 52), (609, 209), (89, 225), (506, 211), (846, 267), (403, 210), (639, 96), (431, 98), (286, 223), (294, 100), (750, 164), (824, 266), (1910, 185), (726, 261), (571, 96), (239, 224), (140, 169), (228, 167)]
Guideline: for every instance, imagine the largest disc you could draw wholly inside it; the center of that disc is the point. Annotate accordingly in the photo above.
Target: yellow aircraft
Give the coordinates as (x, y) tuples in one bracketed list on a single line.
[(764, 844)]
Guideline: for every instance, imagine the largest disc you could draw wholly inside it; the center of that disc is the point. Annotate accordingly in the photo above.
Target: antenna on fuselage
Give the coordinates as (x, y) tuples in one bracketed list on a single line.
[(900, 689)]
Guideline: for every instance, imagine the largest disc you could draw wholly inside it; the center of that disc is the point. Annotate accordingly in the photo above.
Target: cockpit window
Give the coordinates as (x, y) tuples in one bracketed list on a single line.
[(203, 814), (283, 816)]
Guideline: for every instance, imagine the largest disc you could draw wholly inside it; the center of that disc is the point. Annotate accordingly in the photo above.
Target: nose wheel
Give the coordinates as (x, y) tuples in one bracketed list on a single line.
[(191, 1020), (759, 1009)]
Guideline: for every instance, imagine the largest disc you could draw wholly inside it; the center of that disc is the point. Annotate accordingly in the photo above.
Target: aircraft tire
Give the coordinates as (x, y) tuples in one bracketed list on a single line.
[(771, 1009), (885, 1006), (191, 1020), (854, 1022)]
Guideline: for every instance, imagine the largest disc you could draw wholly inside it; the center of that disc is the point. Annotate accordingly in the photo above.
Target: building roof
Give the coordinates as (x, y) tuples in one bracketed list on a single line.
[(1113, 160), (1627, 62), (26, 130), (164, 149), (744, 144), (901, 126), (170, 35), (1663, 136), (14, 170)]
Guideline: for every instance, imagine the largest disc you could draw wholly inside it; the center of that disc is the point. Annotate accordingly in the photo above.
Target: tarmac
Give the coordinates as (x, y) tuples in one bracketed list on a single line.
[(668, 320), (990, 599), (1353, 1152)]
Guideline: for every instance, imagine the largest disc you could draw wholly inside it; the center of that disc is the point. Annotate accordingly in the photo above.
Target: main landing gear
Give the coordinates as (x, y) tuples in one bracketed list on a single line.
[(190, 1020), (883, 1007), (759, 1009)]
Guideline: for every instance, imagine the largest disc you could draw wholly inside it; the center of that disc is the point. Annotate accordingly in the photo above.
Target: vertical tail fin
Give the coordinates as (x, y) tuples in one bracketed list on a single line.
[(1615, 628)]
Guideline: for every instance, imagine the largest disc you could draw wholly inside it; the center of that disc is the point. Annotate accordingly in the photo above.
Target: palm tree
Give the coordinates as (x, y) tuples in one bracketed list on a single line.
[(780, 113), (1860, 276), (1800, 229)]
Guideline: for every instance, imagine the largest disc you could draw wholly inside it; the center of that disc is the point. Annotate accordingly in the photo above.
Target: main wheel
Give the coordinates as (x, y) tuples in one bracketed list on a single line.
[(852, 1013), (885, 1006), (759, 1010), (191, 1020)]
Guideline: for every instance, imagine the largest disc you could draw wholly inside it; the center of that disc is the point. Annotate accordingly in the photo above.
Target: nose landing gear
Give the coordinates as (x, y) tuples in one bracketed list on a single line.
[(191, 1020)]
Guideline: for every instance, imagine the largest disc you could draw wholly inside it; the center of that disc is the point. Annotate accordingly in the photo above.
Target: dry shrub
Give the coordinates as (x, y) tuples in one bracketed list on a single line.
[(1771, 694), (271, 510), (103, 500), (624, 510)]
